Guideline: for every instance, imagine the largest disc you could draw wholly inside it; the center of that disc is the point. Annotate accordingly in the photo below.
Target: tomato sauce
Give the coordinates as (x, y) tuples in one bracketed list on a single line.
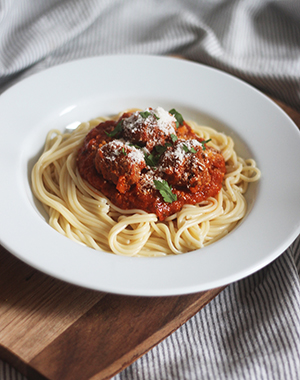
[(126, 159)]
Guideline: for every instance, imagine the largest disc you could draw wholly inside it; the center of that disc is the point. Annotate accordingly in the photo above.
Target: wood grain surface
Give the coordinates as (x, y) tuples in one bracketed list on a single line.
[(53, 330), (50, 329)]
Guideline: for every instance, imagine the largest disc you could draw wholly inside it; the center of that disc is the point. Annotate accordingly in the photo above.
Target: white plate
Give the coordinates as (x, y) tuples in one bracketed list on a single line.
[(91, 87)]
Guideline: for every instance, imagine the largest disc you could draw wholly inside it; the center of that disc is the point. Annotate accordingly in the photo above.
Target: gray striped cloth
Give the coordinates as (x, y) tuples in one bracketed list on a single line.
[(252, 329)]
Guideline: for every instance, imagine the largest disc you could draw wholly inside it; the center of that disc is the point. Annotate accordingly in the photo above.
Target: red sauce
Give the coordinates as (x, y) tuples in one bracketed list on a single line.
[(121, 159)]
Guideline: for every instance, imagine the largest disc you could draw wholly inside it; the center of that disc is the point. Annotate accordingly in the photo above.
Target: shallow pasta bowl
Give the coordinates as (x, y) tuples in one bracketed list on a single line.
[(84, 89)]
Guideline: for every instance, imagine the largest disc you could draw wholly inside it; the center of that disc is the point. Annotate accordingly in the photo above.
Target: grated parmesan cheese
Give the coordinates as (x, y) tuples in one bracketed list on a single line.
[(114, 148), (166, 121), (157, 118), (178, 154), (135, 155)]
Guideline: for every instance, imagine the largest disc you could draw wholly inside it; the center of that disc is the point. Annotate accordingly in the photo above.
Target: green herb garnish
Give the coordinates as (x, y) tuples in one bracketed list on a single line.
[(178, 117), (151, 159), (160, 149), (116, 131), (165, 190), (123, 151), (145, 114), (204, 142), (136, 146), (187, 150), (173, 137)]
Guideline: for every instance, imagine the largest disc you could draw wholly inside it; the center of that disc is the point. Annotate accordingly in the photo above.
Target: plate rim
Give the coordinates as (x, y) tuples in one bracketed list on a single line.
[(150, 291)]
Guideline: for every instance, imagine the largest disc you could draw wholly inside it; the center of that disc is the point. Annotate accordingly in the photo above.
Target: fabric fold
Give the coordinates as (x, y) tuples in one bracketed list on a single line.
[(252, 329)]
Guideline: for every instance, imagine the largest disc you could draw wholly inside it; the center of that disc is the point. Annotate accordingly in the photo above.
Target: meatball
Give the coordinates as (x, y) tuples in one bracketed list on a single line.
[(185, 165), (99, 135), (120, 163), (149, 128)]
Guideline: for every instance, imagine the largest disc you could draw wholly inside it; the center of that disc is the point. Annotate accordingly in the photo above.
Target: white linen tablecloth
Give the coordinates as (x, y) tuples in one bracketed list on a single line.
[(252, 329)]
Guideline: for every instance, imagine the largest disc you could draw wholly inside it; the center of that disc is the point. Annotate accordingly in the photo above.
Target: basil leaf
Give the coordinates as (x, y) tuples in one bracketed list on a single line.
[(151, 160), (165, 191), (160, 149), (204, 142), (136, 146), (177, 116), (173, 137), (185, 148), (116, 131), (145, 114)]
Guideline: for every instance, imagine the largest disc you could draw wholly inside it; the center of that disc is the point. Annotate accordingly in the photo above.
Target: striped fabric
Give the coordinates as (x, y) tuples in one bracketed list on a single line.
[(252, 329), (256, 40)]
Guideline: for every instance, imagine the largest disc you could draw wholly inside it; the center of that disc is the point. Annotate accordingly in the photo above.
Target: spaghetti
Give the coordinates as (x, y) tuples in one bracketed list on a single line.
[(90, 213)]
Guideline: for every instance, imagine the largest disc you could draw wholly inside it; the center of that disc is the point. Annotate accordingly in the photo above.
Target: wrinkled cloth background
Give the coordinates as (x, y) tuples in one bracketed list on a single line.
[(252, 329)]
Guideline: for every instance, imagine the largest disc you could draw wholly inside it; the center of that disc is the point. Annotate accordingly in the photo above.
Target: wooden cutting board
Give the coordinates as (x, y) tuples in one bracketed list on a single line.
[(53, 330)]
